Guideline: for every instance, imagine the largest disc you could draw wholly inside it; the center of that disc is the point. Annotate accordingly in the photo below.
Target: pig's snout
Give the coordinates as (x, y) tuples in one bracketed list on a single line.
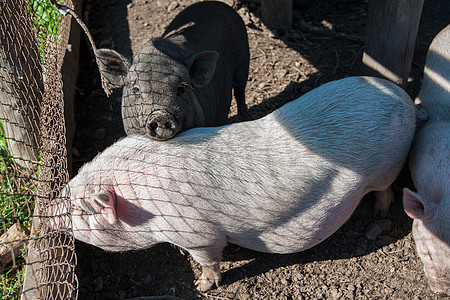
[(162, 125), (438, 279), (438, 285)]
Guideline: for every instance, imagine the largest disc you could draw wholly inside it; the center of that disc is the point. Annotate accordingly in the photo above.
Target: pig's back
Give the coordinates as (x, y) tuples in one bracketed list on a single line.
[(209, 25), (430, 158), (434, 93), (349, 121)]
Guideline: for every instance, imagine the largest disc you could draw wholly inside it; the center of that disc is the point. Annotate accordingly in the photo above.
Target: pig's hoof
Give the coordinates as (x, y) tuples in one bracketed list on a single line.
[(210, 275), (376, 228)]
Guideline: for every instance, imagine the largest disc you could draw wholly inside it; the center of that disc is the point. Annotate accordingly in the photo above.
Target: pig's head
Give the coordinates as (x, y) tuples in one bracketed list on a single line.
[(429, 162), (159, 96), (431, 231), (101, 216), (93, 210)]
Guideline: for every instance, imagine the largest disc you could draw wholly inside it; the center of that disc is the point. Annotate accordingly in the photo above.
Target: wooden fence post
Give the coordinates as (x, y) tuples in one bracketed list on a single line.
[(21, 85), (69, 71), (391, 36)]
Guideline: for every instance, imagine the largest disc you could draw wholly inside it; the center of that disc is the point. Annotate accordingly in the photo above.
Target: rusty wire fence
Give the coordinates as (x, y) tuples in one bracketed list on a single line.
[(37, 257)]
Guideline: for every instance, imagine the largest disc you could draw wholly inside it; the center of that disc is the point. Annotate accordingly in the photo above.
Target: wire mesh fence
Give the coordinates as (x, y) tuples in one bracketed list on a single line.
[(33, 159)]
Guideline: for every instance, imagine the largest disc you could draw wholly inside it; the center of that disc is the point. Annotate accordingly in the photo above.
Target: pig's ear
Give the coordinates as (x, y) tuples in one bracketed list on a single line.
[(202, 66), (414, 204), (113, 66), (107, 205)]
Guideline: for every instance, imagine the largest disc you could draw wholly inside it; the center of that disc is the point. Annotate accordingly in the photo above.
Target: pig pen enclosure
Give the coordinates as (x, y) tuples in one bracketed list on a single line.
[(325, 43)]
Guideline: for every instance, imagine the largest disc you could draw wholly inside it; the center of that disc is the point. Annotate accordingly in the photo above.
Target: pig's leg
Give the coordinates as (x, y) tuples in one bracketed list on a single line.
[(209, 258), (383, 200), (239, 95), (210, 275)]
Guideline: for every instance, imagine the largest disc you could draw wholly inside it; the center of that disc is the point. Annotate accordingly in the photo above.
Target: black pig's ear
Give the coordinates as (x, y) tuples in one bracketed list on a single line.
[(202, 66), (113, 67), (105, 205)]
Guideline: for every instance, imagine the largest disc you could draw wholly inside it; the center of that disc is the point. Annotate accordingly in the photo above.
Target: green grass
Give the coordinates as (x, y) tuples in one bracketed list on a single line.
[(16, 205), (11, 284), (17, 188), (46, 20)]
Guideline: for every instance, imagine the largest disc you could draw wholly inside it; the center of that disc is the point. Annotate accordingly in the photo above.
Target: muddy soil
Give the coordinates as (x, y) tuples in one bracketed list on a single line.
[(284, 65)]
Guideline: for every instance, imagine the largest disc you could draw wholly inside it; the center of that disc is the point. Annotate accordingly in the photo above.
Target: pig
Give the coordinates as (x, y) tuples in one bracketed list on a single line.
[(279, 184), (185, 78), (429, 164)]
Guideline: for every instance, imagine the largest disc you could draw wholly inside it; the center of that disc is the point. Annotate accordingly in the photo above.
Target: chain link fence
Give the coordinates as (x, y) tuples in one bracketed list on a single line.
[(36, 261)]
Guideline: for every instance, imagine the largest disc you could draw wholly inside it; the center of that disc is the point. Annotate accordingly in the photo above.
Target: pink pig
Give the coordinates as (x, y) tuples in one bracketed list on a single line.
[(430, 168), (279, 184)]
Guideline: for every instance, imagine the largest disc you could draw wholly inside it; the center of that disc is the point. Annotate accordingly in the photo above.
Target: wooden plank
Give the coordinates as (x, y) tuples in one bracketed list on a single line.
[(11, 242), (21, 85), (69, 72), (391, 36)]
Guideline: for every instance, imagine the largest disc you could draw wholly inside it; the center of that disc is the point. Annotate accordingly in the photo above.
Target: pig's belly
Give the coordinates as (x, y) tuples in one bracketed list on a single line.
[(301, 231)]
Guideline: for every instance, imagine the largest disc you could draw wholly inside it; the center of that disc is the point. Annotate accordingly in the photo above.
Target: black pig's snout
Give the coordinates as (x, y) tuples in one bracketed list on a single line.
[(162, 125)]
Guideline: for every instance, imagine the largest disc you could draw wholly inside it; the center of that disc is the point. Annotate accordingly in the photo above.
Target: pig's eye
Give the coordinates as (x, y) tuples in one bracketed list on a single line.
[(135, 89), (181, 89)]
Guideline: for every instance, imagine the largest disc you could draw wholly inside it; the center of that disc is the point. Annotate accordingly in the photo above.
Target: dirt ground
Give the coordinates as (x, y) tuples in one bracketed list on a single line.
[(284, 65)]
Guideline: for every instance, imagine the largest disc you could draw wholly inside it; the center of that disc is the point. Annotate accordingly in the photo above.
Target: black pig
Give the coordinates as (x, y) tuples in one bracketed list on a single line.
[(183, 79)]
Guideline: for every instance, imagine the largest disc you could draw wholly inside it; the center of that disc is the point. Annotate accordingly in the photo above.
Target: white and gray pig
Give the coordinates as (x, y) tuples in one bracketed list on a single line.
[(183, 79), (430, 168), (280, 184)]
